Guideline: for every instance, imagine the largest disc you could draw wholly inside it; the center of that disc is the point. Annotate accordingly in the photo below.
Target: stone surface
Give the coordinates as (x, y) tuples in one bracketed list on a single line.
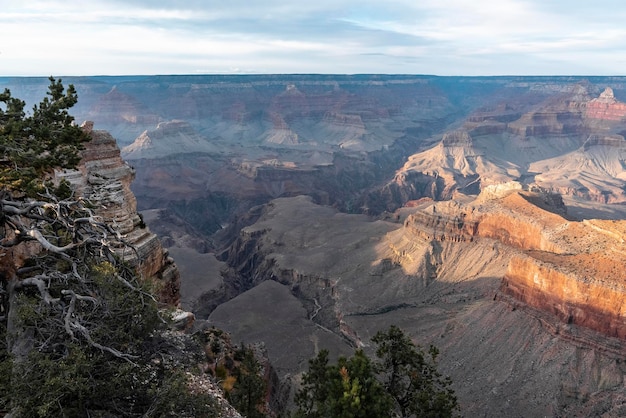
[(104, 179)]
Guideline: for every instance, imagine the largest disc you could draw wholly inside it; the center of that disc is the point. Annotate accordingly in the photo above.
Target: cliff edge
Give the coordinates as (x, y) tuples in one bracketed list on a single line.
[(104, 179)]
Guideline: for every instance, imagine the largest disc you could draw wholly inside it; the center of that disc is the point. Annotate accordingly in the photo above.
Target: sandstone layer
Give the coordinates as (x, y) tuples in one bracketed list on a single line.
[(104, 179)]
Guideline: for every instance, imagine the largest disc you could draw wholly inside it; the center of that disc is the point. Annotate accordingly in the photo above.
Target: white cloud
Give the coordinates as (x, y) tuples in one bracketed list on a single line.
[(331, 36)]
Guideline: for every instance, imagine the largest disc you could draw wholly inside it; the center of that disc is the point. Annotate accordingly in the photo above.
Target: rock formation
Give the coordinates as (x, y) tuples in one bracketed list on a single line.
[(486, 239), (104, 179), (472, 276), (606, 107), (566, 143), (169, 138)]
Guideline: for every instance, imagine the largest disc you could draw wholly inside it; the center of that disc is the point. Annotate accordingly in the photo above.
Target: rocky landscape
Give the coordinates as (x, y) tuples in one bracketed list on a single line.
[(483, 215)]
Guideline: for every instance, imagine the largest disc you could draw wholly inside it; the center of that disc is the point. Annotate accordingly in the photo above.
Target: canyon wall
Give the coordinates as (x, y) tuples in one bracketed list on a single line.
[(570, 269), (522, 296), (565, 142), (519, 299), (104, 179)]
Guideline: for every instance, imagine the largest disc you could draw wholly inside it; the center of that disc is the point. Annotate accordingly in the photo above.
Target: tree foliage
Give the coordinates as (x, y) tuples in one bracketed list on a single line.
[(411, 377), (80, 335), (343, 390), (248, 392), (34, 144), (403, 381)]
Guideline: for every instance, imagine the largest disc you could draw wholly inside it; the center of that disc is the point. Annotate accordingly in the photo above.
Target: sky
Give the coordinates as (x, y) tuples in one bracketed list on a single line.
[(437, 37)]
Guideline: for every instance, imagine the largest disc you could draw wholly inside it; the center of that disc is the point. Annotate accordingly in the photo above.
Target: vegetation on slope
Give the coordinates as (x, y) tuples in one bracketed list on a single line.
[(403, 382), (79, 334)]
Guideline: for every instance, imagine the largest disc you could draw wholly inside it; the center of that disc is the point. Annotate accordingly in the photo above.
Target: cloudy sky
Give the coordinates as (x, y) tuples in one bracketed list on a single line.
[(441, 37)]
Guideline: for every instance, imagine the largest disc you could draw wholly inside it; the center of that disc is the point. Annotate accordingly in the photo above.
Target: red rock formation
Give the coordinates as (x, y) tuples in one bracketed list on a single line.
[(571, 270), (606, 107), (574, 295)]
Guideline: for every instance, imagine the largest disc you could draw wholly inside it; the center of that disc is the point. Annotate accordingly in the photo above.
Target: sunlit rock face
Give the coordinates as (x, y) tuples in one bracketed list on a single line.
[(104, 179), (566, 143)]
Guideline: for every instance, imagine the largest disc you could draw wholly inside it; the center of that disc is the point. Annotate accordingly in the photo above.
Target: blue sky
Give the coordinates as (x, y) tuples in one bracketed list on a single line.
[(441, 37)]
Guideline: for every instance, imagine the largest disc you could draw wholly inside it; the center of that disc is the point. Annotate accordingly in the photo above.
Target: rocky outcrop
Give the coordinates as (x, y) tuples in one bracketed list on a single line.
[(458, 138), (169, 138), (606, 107), (596, 171), (547, 122), (578, 295), (566, 143), (490, 281), (572, 270), (104, 179)]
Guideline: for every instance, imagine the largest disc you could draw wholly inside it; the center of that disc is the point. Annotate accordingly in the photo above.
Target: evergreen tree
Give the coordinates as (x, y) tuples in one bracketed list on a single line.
[(411, 377), (32, 145), (348, 389), (404, 382), (249, 389)]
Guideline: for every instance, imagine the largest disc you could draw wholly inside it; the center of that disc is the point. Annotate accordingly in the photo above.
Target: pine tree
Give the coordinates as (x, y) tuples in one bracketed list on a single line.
[(404, 382), (411, 377)]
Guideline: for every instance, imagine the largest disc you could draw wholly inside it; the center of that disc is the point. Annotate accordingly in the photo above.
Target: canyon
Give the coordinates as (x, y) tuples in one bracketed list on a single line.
[(484, 215)]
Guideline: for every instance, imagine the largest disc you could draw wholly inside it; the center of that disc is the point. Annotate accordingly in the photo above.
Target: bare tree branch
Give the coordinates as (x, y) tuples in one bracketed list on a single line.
[(70, 310), (52, 224), (41, 286)]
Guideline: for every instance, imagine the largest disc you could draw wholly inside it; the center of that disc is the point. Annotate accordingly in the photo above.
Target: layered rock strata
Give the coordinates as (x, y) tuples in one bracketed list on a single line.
[(606, 107), (566, 143), (572, 269), (502, 279), (103, 178)]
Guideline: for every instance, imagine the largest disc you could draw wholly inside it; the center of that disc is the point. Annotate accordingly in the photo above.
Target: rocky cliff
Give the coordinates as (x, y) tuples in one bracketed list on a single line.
[(565, 142), (104, 179), (571, 269), (522, 295), (606, 107), (495, 280)]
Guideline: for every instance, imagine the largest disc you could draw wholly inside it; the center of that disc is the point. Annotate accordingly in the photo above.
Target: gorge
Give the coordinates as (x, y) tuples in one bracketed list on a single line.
[(484, 215)]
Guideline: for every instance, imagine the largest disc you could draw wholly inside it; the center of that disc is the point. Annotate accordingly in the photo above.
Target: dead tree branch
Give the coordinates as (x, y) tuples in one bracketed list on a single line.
[(72, 241)]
